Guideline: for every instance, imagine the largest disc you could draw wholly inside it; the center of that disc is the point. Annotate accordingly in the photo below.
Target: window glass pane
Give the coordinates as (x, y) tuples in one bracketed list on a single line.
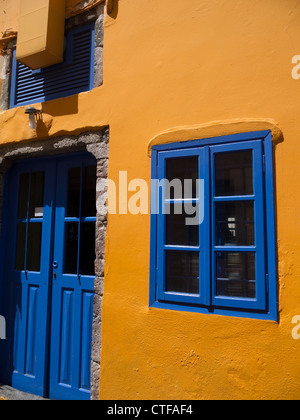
[(233, 173), (235, 223), (71, 247), (182, 169), (89, 191), (73, 192), (236, 274), (34, 246), (36, 203), (87, 249), (178, 231), (20, 248), (23, 196), (182, 272)]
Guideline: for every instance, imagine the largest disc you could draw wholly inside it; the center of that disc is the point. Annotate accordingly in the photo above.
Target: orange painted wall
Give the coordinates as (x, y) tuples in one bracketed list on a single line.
[(9, 13), (169, 64)]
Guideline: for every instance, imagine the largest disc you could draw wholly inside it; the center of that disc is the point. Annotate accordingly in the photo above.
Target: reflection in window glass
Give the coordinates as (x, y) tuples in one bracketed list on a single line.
[(236, 274), (235, 223), (36, 193)]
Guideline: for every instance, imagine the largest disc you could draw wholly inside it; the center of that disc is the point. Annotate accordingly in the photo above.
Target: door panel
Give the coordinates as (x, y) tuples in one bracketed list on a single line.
[(26, 274), (49, 276), (73, 280)]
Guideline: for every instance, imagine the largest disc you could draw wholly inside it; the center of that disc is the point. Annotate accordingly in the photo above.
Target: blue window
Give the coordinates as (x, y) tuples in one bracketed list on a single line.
[(212, 226), (74, 75)]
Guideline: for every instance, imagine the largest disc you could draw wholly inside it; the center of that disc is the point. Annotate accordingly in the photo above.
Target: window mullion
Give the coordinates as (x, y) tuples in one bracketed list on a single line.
[(204, 229)]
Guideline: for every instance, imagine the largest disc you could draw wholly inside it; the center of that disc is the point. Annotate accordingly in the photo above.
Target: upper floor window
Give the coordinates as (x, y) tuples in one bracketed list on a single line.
[(74, 75), (213, 244)]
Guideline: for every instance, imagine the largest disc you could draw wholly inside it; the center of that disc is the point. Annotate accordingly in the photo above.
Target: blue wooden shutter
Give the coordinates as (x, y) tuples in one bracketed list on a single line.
[(73, 76)]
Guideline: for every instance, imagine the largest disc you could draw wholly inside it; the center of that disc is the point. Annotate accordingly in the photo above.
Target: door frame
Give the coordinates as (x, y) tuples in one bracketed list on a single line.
[(97, 144)]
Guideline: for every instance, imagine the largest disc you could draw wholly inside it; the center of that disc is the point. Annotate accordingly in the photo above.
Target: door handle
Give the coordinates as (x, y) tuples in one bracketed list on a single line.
[(55, 265)]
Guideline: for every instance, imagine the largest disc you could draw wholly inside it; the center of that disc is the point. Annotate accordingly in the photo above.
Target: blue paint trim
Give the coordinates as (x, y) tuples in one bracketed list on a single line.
[(264, 306), (205, 229), (13, 82), (92, 58), (153, 230)]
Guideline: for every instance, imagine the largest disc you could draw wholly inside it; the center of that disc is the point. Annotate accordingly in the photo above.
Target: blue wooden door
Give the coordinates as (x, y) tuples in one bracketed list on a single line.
[(48, 253), (73, 280), (25, 281)]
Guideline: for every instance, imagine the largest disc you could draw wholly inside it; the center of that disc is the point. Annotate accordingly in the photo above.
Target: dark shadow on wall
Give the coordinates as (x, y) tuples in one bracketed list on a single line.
[(113, 8), (61, 107), (56, 108)]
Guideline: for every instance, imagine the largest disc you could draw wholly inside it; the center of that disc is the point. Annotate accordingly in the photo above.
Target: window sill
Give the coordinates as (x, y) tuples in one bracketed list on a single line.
[(266, 316)]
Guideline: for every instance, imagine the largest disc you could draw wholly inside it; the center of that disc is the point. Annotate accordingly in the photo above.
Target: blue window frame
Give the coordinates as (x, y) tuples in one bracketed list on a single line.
[(74, 75), (223, 262)]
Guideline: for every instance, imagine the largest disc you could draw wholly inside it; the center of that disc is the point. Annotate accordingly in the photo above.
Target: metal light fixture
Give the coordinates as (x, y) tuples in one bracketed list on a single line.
[(32, 112)]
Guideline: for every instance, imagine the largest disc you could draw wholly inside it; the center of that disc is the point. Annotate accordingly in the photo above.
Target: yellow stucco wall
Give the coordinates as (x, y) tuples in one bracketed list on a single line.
[(168, 64)]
